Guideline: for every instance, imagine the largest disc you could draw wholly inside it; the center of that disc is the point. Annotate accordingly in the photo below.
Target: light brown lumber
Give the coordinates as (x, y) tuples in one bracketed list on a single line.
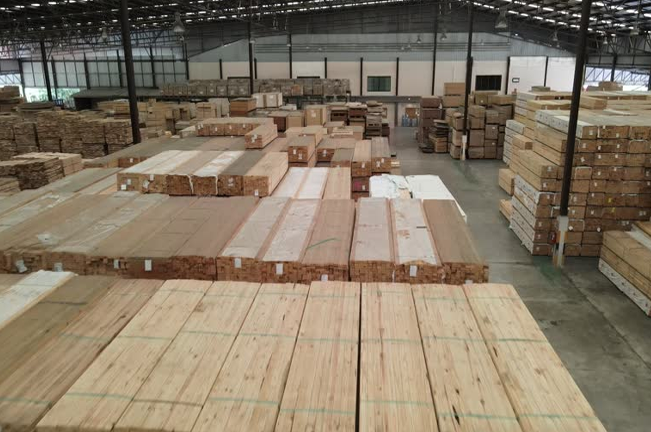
[(31, 209), (338, 185), (205, 179), (262, 179), (25, 294), (300, 149), (8, 280), (372, 256), (156, 178), (326, 149), (327, 254), (27, 333), (468, 393), (342, 158), (72, 254), (172, 396), (542, 392), (230, 182), (361, 163), (261, 136), (132, 178), (281, 262), (380, 155), (277, 145), (180, 180), (97, 400), (291, 183), (35, 386), (394, 391), (416, 255), (645, 227), (196, 259), (321, 390), (111, 255), (240, 259), (314, 184), (247, 393), (454, 243)]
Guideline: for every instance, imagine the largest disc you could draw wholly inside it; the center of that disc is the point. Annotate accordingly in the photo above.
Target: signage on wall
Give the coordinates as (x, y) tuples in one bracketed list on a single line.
[(515, 80)]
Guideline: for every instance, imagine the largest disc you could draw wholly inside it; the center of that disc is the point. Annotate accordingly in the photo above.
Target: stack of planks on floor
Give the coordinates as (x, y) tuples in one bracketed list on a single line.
[(361, 169), (262, 179), (329, 145), (261, 136), (230, 182), (372, 251), (338, 185)]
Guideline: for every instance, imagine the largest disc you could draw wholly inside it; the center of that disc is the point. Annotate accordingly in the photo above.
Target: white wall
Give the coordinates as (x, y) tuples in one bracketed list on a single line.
[(236, 69), (529, 70), (415, 78), (344, 70), (560, 73), (273, 70), (307, 68), (204, 70), (379, 68)]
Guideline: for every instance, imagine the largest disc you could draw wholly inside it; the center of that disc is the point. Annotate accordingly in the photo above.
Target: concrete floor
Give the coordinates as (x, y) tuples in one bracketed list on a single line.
[(601, 336)]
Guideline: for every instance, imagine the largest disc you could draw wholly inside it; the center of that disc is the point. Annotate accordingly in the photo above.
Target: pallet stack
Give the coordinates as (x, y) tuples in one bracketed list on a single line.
[(7, 137), (453, 93), (118, 134), (357, 114), (241, 107), (430, 111), (25, 136), (259, 137), (48, 130)]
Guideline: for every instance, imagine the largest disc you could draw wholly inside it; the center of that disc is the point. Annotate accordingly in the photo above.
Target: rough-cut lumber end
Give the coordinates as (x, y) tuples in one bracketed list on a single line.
[(179, 185), (194, 267), (230, 185), (238, 269), (372, 271), (256, 186), (419, 272), (280, 272), (332, 272), (464, 273), (205, 186), (150, 268)]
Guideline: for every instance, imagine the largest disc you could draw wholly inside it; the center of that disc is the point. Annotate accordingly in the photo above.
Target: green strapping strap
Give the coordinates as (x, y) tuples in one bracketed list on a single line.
[(168, 402), (453, 338), (24, 400), (318, 411), (478, 416), (322, 242), (558, 416), (244, 400), (272, 335), (391, 340), (398, 402), (328, 340), (207, 332), (82, 337), (99, 395), (157, 338)]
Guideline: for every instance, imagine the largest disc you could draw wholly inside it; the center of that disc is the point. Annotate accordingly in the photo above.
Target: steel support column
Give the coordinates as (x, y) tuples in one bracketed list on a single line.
[(563, 221), (22, 75), (221, 70), (121, 80), (466, 131), (54, 79), (46, 73), (86, 74), (255, 68), (361, 76), (325, 66), (250, 58), (397, 74), (187, 61), (153, 67), (508, 74), (436, 34), (546, 69), (614, 66), (128, 64), (291, 51)]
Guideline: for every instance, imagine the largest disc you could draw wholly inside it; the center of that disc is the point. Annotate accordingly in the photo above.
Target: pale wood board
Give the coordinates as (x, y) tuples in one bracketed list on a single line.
[(28, 292), (8, 280), (542, 392), (31, 209), (262, 179), (172, 396), (372, 256), (394, 391), (179, 180), (338, 185), (327, 344), (247, 393), (156, 177), (133, 177), (281, 262), (100, 396), (230, 181), (314, 184), (39, 381), (240, 259), (205, 179), (291, 183), (361, 162), (468, 393), (328, 251)]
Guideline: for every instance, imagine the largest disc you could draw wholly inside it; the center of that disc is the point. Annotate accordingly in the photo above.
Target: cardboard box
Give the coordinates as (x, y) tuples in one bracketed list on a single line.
[(491, 132), (430, 102), (451, 101), (316, 115), (454, 88), (476, 139)]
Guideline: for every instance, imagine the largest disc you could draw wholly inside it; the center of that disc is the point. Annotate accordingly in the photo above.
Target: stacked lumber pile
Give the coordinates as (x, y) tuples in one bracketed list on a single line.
[(180, 180), (380, 155), (261, 136), (437, 138), (301, 151), (230, 126), (315, 115), (514, 139), (265, 175), (32, 173), (72, 126), (361, 168), (118, 134), (205, 180), (93, 138), (48, 130), (372, 254), (338, 185), (9, 185), (70, 162), (7, 137), (230, 181), (506, 180), (329, 145), (611, 180), (343, 157), (240, 107), (25, 136), (430, 111), (625, 258)]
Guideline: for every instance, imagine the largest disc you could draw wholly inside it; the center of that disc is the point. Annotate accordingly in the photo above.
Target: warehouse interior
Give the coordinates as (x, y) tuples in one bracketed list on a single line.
[(388, 215)]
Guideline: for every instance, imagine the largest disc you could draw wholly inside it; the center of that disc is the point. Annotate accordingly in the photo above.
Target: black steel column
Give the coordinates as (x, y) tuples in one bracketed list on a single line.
[(508, 74), (649, 85), (291, 50), (546, 68), (187, 61), (574, 110), (121, 80), (361, 76), (466, 131), (255, 67), (250, 60), (612, 70), (436, 36), (86, 74), (46, 74), (397, 73), (22, 75), (54, 79), (221, 70), (153, 67), (128, 63), (325, 66)]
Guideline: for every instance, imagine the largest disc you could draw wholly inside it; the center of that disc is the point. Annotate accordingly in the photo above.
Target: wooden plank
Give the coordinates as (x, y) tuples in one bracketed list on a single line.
[(327, 344), (291, 183), (27, 333), (230, 182), (393, 389), (172, 396), (261, 136), (380, 155), (468, 393), (301, 149), (416, 256), (8, 280), (97, 400), (247, 393), (327, 253), (180, 180), (133, 177), (205, 179), (28, 292), (542, 392), (240, 259), (262, 179), (454, 242), (196, 259), (35, 386), (155, 178), (338, 185), (314, 184), (342, 157), (31, 209), (361, 162), (372, 256), (281, 262)]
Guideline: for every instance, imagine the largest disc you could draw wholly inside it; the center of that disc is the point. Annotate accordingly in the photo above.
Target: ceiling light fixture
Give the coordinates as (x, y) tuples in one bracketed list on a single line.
[(178, 28), (502, 22), (104, 35)]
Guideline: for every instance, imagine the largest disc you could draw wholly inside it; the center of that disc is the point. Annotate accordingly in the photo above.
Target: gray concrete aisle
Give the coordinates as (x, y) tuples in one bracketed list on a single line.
[(601, 336)]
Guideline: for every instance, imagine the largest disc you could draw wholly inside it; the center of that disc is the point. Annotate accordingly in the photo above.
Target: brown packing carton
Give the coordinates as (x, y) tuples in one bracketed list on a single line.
[(454, 88), (430, 102)]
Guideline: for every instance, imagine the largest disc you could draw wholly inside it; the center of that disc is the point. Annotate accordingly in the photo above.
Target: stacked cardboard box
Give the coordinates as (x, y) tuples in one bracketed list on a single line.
[(453, 94), (430, 111), (316, 115)]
